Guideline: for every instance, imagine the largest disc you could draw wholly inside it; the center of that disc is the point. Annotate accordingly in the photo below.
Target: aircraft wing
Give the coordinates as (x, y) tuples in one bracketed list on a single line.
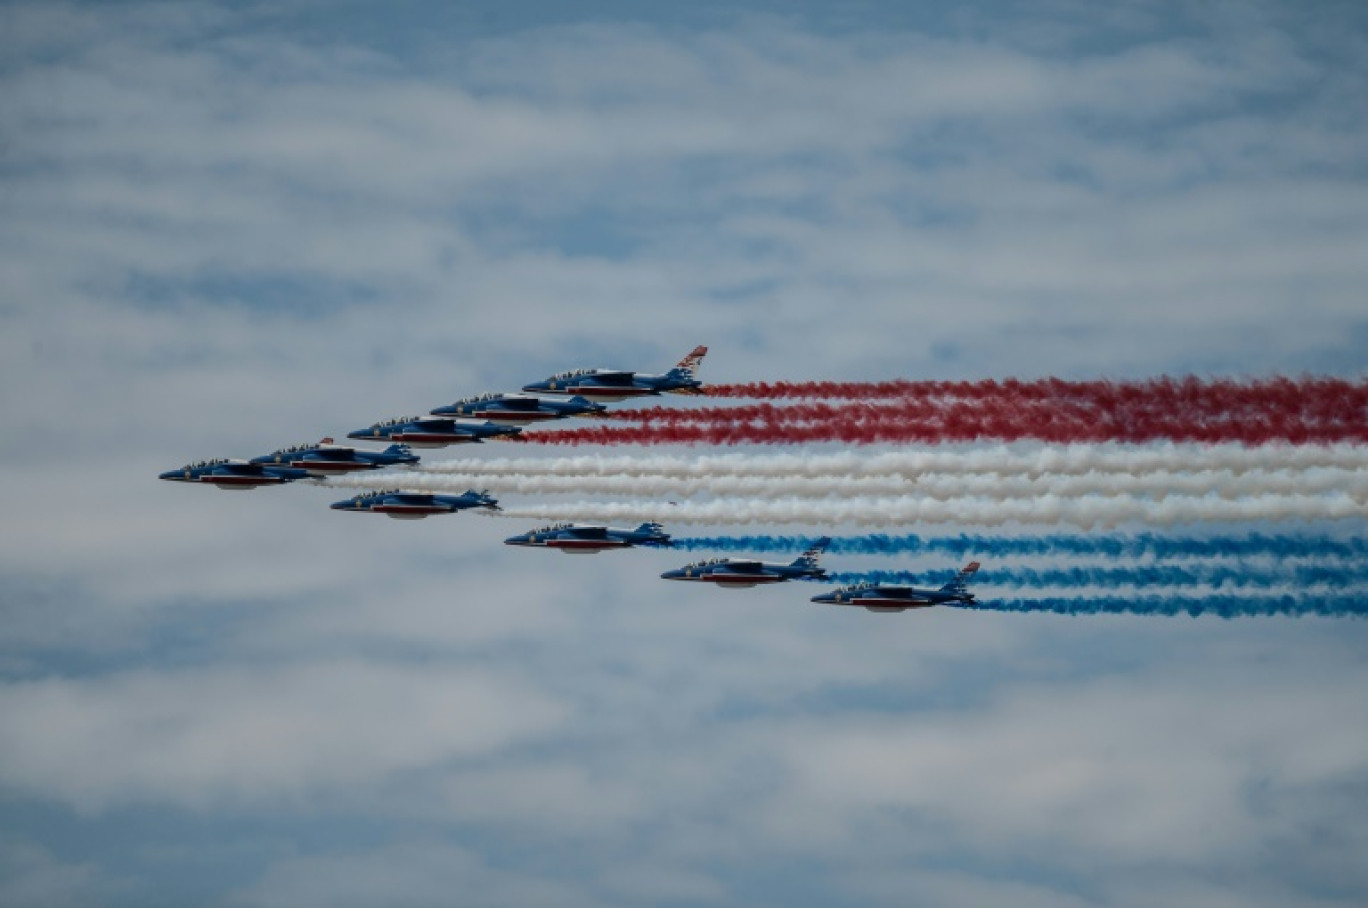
[(330, 454), (616, 379), (527, 404), (238, 469), (588, 532)]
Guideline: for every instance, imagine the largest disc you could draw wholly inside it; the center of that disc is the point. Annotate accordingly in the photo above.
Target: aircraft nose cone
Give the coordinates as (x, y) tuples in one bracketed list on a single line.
[(342, 505), (516, 540), (362, 434), (824, 598), (446, 411), (672, 575), (172, 474)]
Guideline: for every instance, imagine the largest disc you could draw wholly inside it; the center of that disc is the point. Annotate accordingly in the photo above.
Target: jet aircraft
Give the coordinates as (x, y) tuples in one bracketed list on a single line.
[(519, 409), (738, 573), (328, 459), (234, 474), (879, 598), (433, 431), (586, 539), (402, 504), (613, 385)]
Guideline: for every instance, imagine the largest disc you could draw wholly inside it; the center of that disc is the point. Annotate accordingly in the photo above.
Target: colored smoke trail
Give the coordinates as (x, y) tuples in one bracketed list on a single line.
[(1000, 459), (1221, 606), (1141, 545), (934, 486), (966, 423), (1127, 416), (1086, 512), (1297, 411), (1337, 577), (1174, 392)]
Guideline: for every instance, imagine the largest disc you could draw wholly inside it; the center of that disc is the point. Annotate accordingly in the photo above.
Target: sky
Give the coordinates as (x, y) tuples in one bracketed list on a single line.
[(227, 227)]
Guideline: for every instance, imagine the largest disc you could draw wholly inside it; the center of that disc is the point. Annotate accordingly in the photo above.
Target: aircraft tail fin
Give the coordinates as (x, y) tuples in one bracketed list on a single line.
[(689, 364), (809, 558), (959, 586), (662, 539)]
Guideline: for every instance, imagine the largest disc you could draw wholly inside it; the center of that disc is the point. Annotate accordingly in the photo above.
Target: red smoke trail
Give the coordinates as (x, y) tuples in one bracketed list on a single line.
[(1273, 410), (963, 422), (1190, 409), (1304, 392)]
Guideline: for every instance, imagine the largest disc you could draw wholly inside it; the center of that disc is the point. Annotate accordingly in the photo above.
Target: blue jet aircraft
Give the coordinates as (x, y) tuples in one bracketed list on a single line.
[(234, 474), (328, 459), (613, 385), (878, 598), (433, 431), (519, 409), (587, 539), (734, 573), (402, 504)]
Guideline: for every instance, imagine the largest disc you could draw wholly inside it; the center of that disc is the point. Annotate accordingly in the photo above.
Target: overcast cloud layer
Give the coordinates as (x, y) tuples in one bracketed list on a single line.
[(229, 227)]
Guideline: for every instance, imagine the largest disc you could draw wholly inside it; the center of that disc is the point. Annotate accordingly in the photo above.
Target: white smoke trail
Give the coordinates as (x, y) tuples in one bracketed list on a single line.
[(1086, 512), (1003, 460), (937, 486)]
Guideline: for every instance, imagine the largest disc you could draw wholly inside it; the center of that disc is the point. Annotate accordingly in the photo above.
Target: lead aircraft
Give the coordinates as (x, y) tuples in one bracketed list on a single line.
[(234, 474), (589, 539), (614, 385), (879, 598), (735, 573)]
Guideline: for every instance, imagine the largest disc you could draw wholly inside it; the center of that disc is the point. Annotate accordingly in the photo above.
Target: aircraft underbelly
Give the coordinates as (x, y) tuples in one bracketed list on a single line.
[(608, 394), (742, 581), (583, 545), (514, 417), (890, 604), (325, 466), (411, 512), (431, 439), (240, 482)]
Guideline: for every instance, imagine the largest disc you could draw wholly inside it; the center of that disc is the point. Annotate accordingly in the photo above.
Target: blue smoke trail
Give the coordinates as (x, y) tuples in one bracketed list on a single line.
[(1139, 545), (1338, 577), (1223, 606)]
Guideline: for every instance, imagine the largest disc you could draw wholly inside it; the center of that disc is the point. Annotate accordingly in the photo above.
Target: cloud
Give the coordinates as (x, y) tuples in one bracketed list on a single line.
[(32, 876), (413, 874), (200, 736)]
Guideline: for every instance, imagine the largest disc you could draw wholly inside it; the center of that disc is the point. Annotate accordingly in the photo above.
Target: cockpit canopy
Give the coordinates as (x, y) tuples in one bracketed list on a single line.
[(706, 563), (553, 528), (201, 464), (399, 421), (294, 449)]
